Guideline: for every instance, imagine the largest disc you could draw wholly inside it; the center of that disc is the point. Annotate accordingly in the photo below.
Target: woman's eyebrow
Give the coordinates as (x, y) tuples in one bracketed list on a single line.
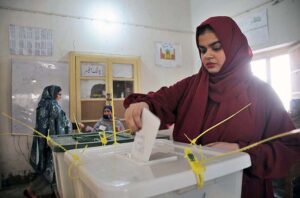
[(212, 44)]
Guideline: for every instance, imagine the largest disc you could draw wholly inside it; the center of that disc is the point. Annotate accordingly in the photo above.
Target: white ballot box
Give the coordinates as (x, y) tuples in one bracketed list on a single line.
[(109, 171), (72, 141)]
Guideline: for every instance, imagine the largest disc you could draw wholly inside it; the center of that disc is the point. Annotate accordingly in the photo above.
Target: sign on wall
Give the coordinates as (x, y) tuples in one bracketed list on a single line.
[(30, 41), (167, 54), (92, 69), (255, 27)]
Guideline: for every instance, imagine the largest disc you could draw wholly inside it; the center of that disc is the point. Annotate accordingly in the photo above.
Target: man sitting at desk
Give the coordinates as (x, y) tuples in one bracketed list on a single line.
[(106, 123)]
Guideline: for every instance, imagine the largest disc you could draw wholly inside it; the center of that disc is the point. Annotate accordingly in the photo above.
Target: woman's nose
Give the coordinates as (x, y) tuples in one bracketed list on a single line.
[(208, 54)]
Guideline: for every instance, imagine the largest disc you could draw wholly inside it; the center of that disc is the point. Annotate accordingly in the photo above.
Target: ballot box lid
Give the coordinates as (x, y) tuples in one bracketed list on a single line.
[(108, 171)]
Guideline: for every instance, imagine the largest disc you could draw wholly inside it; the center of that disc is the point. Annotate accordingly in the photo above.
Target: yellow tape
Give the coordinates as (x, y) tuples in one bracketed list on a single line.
[(40, 134), (78, 130), (113, 118), (194, 141), (197, 166), (103, 138), (76, 144), (293, 132), (124, 131), (75, 162), (86, 146), (48, 138)]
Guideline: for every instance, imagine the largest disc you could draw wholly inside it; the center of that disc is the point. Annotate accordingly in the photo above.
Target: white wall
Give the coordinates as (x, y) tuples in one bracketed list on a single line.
[(140, 23), (283, 18)]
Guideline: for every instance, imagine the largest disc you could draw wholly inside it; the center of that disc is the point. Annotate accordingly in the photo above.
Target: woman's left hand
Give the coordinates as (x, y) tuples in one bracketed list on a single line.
[(224, 145)]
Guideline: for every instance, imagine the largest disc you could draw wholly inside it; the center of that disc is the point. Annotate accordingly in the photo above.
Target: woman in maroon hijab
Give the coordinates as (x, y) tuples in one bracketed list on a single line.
[(223, 86)]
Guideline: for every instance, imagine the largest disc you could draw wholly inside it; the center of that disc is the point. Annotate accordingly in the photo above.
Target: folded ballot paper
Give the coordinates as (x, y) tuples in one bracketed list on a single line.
[(145, 138)]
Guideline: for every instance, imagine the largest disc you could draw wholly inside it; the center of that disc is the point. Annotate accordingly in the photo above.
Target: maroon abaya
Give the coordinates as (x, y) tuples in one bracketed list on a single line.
[(202, 100)]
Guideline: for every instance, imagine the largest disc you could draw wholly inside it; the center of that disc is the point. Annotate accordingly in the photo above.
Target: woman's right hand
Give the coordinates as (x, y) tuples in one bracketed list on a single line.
[(133, 115), (81, 125)]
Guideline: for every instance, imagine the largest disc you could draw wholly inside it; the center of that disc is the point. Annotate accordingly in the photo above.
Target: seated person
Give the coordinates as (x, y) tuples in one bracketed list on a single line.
[(105, 123)]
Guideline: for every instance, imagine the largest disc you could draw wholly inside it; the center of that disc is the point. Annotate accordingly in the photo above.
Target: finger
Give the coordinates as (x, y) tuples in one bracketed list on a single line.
[(136, 114), (130, 120)]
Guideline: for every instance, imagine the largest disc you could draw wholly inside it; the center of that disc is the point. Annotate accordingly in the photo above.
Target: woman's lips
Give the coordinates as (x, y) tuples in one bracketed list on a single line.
[(210, 65)]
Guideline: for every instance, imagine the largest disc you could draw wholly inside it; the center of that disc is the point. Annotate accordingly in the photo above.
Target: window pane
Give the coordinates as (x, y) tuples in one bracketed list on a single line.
[(259, 69), (123, 70), (122, 89), (281, 78), (92, 89)]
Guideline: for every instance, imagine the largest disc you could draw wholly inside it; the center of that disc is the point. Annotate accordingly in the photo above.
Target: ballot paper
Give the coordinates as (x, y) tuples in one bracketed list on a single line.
[(145, 138)]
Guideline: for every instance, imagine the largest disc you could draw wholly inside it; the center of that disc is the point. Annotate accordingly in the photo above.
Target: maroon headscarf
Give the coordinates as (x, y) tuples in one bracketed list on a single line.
[(229, 82), (238, 56)]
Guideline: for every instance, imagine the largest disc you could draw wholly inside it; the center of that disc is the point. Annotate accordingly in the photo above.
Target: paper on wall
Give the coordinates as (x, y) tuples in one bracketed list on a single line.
[(145, 138)]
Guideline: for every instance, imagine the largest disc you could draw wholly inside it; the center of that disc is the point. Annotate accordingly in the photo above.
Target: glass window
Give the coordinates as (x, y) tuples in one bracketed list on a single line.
[(276, 72), (259, 69), (122, 89), (92, 89), (122, 70), (281, 78)]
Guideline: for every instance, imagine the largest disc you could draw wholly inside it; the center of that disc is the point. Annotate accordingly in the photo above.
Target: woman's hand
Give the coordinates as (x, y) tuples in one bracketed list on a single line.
[(81, 125), (133, 115), (224, 145)]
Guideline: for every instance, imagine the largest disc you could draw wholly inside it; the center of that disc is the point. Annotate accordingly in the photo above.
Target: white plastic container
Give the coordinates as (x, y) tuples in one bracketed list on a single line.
[(109, 171), (63, 182)]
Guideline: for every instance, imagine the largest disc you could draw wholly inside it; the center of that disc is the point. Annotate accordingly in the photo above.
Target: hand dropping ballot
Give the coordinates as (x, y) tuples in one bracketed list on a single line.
[(145, 138)]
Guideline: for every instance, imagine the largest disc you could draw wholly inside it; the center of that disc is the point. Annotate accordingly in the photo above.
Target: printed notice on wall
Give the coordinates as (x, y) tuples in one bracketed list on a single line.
[(30, 41), (255, 26), (167, 54)]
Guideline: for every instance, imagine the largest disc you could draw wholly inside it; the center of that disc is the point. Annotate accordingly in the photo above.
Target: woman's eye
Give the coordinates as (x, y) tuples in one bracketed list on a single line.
[(202, 50), (217, 47)]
